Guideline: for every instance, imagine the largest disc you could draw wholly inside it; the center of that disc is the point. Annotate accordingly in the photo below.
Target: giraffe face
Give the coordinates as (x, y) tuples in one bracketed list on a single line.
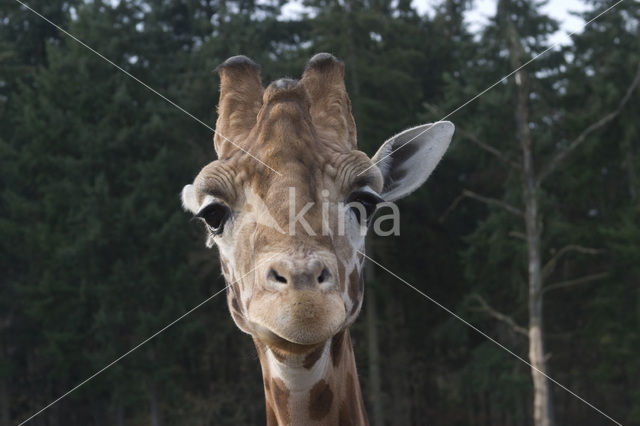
[(288, 241), (289, 244)]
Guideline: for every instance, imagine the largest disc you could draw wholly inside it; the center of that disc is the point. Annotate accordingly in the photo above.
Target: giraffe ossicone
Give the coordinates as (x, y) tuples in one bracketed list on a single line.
[(297, 292)]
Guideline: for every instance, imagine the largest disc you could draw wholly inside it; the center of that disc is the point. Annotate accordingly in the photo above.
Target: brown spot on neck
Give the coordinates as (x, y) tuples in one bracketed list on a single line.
[(313, 357), (350, 407), (320, 399), (280, 397), (334, 399), (354, 286)]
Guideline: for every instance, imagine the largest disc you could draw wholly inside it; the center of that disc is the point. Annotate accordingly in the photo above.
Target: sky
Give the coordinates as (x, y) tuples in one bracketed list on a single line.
[(558, 9)]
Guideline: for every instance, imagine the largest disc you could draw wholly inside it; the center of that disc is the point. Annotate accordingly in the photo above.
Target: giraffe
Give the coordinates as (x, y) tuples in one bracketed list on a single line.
[(295, 281)]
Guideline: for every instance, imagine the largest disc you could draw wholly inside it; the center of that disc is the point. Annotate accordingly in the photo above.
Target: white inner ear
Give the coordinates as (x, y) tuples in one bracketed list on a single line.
[(407, 159), (189, 199)]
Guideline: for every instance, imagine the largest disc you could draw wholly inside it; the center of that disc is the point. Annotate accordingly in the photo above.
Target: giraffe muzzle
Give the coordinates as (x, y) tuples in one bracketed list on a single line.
[(297, 299), (288, 273)]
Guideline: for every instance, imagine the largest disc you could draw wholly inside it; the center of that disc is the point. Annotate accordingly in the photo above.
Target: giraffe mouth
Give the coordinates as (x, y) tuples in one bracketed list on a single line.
[(272, 339), (300, 317)]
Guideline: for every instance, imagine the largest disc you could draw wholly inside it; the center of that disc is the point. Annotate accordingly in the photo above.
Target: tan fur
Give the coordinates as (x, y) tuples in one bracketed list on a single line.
[(331, 397), (240, 101), (330, 104), (305, 131)]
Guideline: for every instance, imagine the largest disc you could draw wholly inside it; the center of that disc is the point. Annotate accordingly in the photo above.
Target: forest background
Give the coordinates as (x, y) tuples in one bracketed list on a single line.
[(96, 254)]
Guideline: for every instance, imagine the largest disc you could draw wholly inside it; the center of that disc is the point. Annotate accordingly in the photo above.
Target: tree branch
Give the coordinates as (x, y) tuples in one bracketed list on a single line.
[(577, 281), (550, 266), (485, 146), (492, 201), (451, 208), (563, 154), (487, 200), (485, 307), (518, 235)]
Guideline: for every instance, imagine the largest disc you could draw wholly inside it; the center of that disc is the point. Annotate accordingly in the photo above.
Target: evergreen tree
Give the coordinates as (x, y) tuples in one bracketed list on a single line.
[(97, 256), (602, 191), (527, 218)]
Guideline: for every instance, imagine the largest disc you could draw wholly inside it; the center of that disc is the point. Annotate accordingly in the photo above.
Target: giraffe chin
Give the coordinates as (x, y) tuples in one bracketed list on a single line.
[(309, 319), (281, 345)]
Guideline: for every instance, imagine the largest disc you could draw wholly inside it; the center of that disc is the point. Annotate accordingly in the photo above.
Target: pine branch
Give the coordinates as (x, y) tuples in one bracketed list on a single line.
[(574, 282), (573, 145), (550, 266), (485, 307), (485, 146), (492, 201)]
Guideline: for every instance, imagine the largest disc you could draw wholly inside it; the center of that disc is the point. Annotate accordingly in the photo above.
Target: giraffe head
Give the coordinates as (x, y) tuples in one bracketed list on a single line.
[(289, 194)]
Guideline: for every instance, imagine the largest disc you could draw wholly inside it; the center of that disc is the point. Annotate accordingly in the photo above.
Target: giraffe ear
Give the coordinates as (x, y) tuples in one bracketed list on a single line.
[(407, 159)]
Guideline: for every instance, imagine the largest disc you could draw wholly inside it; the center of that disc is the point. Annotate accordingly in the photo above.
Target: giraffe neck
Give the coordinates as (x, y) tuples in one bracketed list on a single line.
[(317, 387)]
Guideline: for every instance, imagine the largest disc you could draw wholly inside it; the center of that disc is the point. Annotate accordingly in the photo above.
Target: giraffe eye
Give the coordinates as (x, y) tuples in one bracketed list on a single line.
[(363, 201), (215, 215)]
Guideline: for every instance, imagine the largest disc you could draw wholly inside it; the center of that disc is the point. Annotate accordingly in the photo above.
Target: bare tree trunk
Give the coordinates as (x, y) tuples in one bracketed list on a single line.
[(400, 381), (629, 165), (119, 421), (375, 388), (153, 405), (542, 403), (487, 408)]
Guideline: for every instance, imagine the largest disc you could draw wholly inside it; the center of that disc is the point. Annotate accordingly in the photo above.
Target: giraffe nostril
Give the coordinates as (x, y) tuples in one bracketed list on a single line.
[(277, 277), (324, 275)]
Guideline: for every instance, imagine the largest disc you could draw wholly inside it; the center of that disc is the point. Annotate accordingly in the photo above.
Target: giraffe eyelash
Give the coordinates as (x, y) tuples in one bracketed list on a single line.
[(215, 216), (369, 201)]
